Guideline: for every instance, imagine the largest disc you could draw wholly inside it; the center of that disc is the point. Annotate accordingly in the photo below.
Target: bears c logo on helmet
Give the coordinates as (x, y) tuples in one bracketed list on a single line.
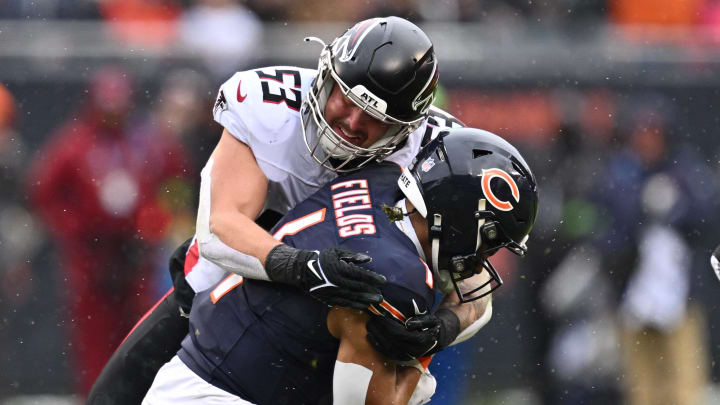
[(489, 174)]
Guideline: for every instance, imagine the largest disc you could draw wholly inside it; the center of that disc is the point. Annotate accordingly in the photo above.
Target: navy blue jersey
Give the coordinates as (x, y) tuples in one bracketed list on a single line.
[(268, 343)]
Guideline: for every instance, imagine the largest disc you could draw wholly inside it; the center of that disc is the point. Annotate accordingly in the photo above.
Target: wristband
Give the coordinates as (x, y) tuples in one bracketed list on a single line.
[(450, 328)]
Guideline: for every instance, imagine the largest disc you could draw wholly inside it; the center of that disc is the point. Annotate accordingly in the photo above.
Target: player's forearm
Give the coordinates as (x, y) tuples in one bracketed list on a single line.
[(242, 234), (362, 375), (226, 232), (467, 313), (234, 243), (472, 316), (407, 379), (376, 384)]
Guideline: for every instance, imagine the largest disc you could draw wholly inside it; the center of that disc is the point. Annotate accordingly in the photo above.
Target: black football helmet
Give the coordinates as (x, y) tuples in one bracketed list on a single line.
[(387, 67), (478, 196)]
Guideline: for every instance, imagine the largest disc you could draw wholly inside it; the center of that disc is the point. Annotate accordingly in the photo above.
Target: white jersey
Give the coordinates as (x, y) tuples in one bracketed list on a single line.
[(261, 108)]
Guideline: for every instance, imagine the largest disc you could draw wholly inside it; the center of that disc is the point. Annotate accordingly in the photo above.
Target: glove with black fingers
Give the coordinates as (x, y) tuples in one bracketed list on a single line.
[(421, 335), (183, 292), (330, 275)]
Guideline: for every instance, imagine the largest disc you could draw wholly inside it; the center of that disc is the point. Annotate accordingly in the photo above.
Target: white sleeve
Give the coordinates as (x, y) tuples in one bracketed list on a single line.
[(424, 390), (228, 111), (243, 108), (471, 330), (212, 248), (350, 383)]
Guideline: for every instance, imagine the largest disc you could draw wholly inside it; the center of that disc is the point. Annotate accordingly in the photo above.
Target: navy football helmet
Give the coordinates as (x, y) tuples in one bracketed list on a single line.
[(387, 67), (478, 196)]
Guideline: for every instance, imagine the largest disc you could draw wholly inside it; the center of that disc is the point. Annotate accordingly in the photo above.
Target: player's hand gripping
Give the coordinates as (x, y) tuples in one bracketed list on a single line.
[(421, 335), (330, 275)]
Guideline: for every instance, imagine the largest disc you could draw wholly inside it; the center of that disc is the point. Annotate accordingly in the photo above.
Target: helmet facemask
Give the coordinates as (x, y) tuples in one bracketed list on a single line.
[(470, 217), (452, 265)]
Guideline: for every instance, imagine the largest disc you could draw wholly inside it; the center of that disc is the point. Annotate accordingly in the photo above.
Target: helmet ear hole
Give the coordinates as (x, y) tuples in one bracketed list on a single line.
[(520, 168), (480, 152)]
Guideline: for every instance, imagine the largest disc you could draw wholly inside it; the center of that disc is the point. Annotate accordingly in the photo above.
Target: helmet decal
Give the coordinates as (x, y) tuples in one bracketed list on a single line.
[(489, 174), (428, 164), (427, 94), (341, 48)]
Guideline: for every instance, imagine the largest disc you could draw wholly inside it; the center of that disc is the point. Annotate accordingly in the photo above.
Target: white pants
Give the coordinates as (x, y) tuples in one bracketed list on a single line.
[(176, 384)]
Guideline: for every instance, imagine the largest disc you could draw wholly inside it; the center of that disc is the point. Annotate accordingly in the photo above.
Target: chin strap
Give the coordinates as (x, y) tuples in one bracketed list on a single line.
[(435, 232), (443, 279), (481, 222)]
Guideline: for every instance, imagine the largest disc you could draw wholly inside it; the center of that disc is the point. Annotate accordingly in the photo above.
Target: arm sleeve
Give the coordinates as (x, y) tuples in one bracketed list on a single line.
[(474, 327), (212, 248), (350, 383)]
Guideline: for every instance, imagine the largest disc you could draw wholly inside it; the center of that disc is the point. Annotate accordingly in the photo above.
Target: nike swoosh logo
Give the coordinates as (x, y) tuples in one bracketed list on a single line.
[(312, 268), (417, 310), (240, 97), (318, 272)]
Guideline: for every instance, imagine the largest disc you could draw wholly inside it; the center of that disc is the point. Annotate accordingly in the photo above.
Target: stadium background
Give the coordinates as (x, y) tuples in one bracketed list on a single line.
[(570, 82)]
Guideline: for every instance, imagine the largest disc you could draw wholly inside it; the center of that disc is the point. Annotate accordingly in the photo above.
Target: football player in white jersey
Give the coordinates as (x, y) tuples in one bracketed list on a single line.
[(287, 131)]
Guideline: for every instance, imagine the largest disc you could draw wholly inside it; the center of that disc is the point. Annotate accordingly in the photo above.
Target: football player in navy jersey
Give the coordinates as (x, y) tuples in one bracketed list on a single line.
[(468, 194), (288, 131)]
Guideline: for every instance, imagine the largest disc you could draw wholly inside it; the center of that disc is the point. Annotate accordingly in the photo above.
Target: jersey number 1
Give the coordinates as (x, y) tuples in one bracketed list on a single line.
[(289, 228)]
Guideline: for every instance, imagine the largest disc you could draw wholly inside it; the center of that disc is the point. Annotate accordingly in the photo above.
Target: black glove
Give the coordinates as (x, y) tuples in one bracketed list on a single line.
[(421, 335), (330, 275), (184, 294)]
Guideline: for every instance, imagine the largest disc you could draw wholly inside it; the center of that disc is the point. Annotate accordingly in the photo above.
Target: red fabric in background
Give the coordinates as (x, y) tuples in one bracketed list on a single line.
[(97, 189)]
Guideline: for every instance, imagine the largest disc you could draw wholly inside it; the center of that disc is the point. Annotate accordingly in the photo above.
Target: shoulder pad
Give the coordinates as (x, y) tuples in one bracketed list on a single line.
[(442, 118), (259, 102), (437, 121)]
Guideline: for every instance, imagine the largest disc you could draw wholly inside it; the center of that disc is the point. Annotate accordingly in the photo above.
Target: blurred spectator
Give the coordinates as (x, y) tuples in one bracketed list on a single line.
[(20, 240), (352, 10), (99, 187), (658, 20), (183, 104), (662, 337), (19, 237), (150, 23), (223, 33), (576, 298), (179, 115), (655, 12)]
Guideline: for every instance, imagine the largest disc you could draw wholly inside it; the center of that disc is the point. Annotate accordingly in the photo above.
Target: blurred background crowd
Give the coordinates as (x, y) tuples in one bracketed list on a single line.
[(105, 123)]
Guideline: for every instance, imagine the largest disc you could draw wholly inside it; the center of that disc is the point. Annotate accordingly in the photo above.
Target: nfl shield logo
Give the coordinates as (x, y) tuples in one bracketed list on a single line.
[(428, 164)]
